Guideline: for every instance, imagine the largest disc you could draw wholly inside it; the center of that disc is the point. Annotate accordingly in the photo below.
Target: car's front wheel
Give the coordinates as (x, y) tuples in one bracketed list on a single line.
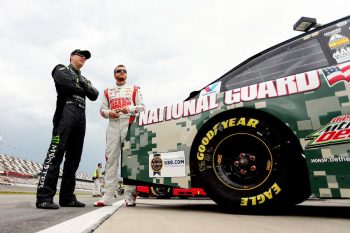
[(246, 159)]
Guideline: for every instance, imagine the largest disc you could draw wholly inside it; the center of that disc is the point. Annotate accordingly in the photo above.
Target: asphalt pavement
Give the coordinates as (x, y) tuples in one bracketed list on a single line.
[(201, 216), (18, 214)]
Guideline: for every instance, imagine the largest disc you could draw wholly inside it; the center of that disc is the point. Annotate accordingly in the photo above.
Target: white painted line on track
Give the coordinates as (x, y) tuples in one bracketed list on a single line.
[(87, 222)]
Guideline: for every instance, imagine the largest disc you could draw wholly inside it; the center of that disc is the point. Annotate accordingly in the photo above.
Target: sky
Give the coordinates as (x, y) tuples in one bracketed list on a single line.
[(169, 48)]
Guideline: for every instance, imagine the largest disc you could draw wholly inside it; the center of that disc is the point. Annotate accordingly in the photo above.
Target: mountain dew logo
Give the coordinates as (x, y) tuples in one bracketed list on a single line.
[(335, 132), (55, 139)]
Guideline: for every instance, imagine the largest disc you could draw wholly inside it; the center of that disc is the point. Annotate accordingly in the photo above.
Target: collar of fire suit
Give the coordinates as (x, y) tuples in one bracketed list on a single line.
[(120, 85), (71, 67)]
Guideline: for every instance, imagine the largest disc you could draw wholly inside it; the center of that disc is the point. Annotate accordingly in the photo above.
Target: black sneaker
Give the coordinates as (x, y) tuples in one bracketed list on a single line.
[(75, 203), (47, 205)]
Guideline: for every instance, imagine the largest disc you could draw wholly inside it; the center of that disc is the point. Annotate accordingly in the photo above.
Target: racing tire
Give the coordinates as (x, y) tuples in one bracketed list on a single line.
[(248, 158)]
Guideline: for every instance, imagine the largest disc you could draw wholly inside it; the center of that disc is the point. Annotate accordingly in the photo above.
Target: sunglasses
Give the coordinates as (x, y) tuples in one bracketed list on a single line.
[(120, 71), (80, 55)]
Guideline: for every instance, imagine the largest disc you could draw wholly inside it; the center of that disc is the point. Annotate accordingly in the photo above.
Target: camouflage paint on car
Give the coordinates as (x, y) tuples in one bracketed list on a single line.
[(301, 112), (305, 111)]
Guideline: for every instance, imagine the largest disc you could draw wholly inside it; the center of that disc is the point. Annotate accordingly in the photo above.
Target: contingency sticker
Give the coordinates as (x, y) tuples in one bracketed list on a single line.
[(211, 89), (170, 164), (335, 132)]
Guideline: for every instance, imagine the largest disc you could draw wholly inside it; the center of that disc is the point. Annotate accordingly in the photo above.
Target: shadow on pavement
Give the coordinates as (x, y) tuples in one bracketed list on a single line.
[(298, 210)]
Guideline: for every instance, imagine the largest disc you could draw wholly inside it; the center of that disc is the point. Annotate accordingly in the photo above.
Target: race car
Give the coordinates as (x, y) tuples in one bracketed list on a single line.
[(270, 132)]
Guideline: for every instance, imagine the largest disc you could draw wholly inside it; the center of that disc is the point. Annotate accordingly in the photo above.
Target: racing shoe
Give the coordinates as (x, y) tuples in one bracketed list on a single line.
[(74, 203), (131, 200), (130, 203), (102, 203), (47, 205)]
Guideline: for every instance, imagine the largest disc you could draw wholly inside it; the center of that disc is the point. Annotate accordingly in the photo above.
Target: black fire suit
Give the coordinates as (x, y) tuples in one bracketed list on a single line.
[(68, 134)]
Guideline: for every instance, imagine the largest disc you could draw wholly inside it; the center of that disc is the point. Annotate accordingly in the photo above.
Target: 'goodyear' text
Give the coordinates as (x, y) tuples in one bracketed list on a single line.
[(243, 121)]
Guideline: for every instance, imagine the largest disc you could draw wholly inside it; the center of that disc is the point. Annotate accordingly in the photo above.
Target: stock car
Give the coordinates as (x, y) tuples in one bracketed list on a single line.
[(272, 131)]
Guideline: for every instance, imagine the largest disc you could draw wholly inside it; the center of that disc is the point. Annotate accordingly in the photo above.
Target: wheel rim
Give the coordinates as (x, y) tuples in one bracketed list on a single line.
[(242, 161)]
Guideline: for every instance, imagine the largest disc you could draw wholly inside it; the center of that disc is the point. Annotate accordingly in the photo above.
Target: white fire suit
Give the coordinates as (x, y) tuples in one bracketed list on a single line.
[(115, 98)]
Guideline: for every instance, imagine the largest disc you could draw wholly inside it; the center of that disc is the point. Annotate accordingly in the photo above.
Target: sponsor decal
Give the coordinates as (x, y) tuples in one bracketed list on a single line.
[(342, 24), (334, 32), (280, 87), (51, 154), (156, 164), (335, 159), (242, 121), (55, 139), (176, 111), (119, 103), (342, 54), (290, 85), (335, 132), (338, 40), (211, 89), (261, 198), (335, 74), (307, 37), (115, 101), (170, 164)]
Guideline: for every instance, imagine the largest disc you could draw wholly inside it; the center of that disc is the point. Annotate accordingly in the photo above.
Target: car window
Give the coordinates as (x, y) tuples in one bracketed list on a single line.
[(296, 57), (336, 40), (328, 46)]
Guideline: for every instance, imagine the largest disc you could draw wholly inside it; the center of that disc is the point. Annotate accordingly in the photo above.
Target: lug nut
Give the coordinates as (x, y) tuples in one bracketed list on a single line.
[(243, 172)]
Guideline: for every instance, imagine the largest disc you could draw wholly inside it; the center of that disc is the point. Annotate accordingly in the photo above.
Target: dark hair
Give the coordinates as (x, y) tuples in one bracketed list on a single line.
[(99, 164), (117, 68)]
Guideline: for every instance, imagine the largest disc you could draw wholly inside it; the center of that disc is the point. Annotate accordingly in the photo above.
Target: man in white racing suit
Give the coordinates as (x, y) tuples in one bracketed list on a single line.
[(120, 103)]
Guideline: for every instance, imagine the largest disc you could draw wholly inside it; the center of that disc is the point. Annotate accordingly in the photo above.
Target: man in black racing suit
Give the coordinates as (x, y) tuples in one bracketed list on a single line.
[(68, 133)]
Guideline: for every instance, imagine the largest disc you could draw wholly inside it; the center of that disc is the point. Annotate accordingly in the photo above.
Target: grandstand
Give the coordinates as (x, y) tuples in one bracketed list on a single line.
[(19, 171)]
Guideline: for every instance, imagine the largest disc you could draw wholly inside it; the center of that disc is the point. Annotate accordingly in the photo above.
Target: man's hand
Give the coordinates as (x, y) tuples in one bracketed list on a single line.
[(90, 91), (124, 110), (84, 80), (113, 113)]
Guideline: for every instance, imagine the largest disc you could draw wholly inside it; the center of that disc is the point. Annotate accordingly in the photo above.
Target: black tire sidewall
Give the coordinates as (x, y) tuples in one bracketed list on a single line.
[(271, 187)]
